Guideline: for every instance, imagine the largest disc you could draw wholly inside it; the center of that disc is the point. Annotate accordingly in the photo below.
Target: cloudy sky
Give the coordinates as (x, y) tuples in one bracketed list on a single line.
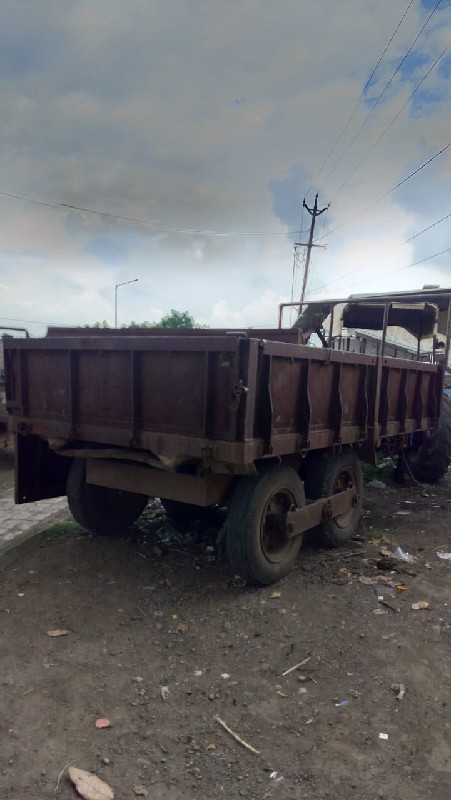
[(193, 130)]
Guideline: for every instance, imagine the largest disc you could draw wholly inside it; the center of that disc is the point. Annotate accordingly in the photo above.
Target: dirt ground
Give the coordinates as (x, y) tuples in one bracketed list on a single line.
[(152, 610)]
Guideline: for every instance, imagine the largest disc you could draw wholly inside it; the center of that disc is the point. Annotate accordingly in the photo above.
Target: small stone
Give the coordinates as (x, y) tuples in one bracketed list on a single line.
[(375, 484)]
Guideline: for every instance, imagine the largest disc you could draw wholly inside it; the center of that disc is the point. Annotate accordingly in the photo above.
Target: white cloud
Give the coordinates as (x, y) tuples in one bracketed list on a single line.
[(184, 114)]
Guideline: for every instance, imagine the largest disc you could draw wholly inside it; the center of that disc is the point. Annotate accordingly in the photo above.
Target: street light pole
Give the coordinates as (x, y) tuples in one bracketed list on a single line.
[(115, 297)]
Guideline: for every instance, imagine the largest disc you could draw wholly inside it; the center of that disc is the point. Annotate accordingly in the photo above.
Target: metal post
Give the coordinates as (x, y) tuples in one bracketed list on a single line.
[(115, 297)]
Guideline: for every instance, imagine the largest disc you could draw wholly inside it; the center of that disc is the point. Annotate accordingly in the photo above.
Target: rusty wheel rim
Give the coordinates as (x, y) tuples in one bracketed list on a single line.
[(346, 479), (274, 541)]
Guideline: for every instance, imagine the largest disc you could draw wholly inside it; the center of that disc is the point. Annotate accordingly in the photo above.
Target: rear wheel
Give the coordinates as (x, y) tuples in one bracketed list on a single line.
[(99, 509), (328, 475), (429, 458), (256, 543)]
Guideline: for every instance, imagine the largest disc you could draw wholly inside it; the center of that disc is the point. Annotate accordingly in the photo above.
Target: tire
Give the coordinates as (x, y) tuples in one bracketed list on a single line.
[(327, 475), (99, 509), (429, 461), (256, 543)]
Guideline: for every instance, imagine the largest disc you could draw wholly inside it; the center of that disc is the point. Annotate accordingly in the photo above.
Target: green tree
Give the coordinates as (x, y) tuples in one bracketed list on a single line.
[(175, 319)]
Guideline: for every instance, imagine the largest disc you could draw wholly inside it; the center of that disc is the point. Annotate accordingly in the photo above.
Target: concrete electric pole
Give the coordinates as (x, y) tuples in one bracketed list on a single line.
[(314, 213)]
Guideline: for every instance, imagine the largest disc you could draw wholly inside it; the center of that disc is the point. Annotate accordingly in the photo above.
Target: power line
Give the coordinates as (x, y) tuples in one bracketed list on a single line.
[(383, 196), (437, 222), (383, 274), (362, 94), (357, 167), (379, 98), (142, 222)]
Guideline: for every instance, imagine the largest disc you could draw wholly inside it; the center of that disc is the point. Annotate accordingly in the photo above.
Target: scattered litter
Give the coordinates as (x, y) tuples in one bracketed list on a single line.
[(276, 777), (399, 689), (341, 703), (380, 611), (401, 587), (302, 690), (409, 502), (383, 736), (275, 595), (375, 484), (444, 556), (181, 628), (57, 632), (225, 675), (90, 786), (384, 591), (400, 555), (197, 673), (236, 737), (164, 692), (280, 693), (402, 513), (385, 551), (138, 679), (296, 666), (103, 723), (140, 791), (211, 747), (346, 572), (20, 594), (389, 605), (367, 581), (420, 605), (386, 563)]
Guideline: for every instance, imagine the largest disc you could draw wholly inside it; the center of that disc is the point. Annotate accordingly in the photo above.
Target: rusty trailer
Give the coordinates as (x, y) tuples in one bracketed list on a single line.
[(255, 420)]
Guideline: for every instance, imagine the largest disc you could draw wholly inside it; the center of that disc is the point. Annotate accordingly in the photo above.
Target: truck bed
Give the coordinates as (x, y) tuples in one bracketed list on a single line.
[(229, 397)]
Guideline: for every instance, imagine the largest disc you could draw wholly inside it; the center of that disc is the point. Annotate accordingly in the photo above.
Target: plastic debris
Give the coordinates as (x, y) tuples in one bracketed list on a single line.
[(402, 513), (399, 690), (375, 484), (225, 675), (103, 723), (341, 703), (276, 777), (401, 555), (383, 736), (384, 591), (275, 595), (164, 692), (444, 556), (420, 605), (58, 632)]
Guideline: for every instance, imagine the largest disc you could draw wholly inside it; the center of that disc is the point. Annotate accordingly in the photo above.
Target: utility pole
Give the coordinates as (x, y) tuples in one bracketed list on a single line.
[(314, 213)]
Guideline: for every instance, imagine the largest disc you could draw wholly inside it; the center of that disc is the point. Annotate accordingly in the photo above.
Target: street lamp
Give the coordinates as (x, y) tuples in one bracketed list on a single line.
[(115, 297)]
